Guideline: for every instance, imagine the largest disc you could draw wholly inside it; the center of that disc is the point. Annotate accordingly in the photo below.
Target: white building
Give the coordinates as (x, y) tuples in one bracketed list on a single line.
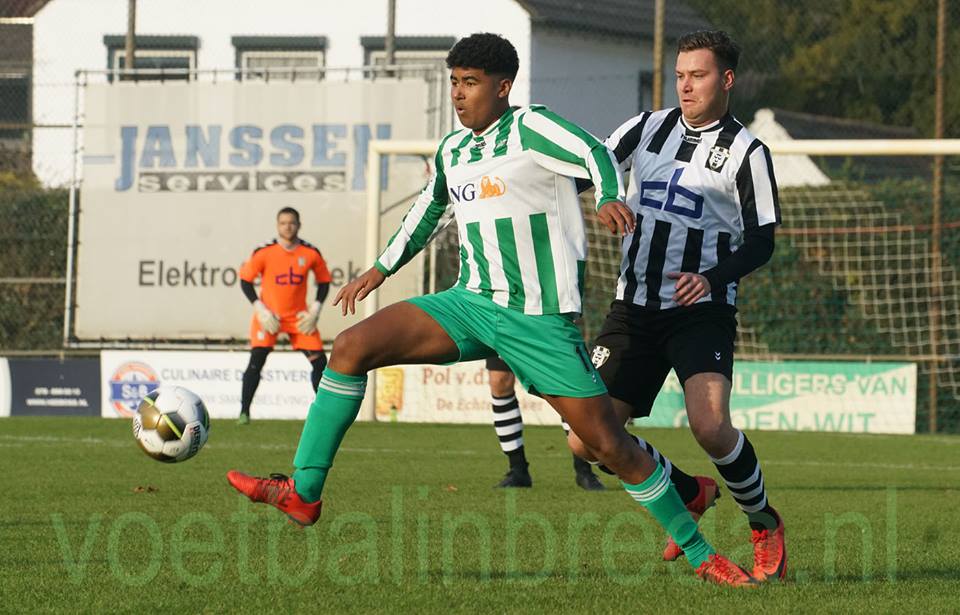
[(589, 61)]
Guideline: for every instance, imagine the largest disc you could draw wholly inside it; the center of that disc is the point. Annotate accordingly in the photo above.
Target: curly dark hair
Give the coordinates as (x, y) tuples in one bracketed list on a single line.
[(719, 42), (490, 52)]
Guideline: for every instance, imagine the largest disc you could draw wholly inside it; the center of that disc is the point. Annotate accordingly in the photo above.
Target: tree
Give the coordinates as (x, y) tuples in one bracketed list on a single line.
[(862, 59)]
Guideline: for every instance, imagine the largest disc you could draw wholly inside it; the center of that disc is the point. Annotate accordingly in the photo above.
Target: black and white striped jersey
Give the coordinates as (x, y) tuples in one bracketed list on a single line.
[(694, 192)]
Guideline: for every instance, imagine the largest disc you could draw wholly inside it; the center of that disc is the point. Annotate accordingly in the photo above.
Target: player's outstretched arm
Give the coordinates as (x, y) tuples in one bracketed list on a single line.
[(358, 289)]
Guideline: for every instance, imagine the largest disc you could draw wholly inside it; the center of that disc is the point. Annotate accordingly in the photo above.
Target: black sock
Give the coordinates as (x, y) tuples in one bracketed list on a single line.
[(508, 423), (317, 366), (251, 377), (518, 459), (740, 470), (581, 466)]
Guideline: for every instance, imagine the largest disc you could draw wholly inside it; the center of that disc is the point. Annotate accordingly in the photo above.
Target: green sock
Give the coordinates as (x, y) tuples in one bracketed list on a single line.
[(331, 414), (658, 495)]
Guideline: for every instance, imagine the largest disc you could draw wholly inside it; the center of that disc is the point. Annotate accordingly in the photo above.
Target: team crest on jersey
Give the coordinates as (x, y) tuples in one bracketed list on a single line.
[(301, 261), (718, 157), (599, 356)]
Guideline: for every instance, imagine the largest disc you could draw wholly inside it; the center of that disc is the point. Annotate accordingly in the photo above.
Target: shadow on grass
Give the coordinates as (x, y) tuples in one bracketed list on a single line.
[(878, 488)]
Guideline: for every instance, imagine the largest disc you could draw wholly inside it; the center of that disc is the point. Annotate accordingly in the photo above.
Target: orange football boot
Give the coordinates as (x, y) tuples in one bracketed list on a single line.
[(279, 492)]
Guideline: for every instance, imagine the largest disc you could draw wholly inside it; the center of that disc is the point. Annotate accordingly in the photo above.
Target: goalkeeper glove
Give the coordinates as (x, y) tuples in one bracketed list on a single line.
[(268, 320), (307, 321)]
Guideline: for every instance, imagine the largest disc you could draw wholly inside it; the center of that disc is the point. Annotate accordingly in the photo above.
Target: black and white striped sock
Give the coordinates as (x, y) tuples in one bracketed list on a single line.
[(741, 472), (508, 424), (685, 484)]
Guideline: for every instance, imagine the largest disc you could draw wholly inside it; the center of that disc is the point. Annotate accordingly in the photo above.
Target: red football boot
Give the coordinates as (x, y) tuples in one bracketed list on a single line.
[(718, 569), (278, 491), (769, 553), (706, 498)]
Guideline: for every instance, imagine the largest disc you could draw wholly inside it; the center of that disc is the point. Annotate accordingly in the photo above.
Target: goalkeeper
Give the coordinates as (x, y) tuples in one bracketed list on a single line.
[(282, 266)]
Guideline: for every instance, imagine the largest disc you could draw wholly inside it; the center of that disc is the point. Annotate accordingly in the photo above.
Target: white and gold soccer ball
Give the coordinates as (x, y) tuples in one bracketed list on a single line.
[(171, 424)]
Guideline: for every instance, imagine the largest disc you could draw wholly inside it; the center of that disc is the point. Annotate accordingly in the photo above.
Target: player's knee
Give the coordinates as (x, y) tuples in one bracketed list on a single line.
[(502, 383), (578, 448), (258, 357), (350, 350), (710, 429), (608, 449)]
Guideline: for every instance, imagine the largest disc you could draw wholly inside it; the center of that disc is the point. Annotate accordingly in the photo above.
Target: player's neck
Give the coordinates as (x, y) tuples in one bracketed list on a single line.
[(495, 117), (706, 122), (288, 244)]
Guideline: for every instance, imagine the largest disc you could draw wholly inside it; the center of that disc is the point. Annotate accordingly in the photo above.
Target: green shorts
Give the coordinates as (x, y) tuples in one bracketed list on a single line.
[(546, 353)]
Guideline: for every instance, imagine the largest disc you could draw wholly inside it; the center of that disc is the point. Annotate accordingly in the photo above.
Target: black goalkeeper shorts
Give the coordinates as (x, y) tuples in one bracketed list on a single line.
[(637, 348)]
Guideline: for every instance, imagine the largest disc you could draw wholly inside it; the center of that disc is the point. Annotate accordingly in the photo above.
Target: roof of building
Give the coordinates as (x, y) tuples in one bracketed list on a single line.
[(809, 126), (801, 170), (620, 17), (20, 8)]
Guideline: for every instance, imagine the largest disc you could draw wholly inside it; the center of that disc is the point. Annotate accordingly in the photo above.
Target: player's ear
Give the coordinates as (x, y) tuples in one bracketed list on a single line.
[(504, 87), (727, 79)]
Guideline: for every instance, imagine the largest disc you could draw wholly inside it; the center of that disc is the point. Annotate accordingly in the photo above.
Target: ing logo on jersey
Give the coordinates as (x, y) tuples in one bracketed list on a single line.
[(492, 188), (489, 188), (129, 384)]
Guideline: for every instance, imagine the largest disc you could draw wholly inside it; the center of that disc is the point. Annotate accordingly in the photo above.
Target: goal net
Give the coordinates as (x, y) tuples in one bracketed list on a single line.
[(865, 269)]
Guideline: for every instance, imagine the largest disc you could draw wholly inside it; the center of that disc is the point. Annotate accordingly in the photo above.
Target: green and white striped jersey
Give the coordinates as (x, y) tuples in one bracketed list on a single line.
[(512, 191)]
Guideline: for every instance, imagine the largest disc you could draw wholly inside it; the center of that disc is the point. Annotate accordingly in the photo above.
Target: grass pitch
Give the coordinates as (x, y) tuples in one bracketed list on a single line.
[(411, 524)]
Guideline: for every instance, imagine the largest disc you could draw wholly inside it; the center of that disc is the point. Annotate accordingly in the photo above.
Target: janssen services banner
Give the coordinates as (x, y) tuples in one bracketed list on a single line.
[(792, 396), (181, 181)]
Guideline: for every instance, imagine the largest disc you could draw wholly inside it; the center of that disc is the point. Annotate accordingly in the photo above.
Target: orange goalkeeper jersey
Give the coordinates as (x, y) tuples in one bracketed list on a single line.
[(283, 275)]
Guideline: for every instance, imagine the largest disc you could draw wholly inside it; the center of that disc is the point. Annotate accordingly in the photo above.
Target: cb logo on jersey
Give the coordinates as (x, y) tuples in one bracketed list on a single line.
[(291, 278), (693, 208)]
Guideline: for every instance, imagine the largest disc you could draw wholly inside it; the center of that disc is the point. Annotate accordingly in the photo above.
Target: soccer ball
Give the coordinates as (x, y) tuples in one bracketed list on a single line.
[(171, 424)]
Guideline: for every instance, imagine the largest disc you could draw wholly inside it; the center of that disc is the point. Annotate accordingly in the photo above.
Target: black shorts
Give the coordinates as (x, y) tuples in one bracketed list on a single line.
[(496, 364), (637, 347)]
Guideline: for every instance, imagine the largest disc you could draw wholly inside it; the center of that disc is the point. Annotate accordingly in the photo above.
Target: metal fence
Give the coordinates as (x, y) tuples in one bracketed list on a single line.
[(843, 69)]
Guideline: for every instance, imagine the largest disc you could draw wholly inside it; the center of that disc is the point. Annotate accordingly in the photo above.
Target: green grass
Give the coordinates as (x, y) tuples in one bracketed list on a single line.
[(411, 524)]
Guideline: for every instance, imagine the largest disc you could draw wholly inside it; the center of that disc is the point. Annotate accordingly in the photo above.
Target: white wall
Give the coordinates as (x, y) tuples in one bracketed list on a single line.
[(68, 35), (593, 81)]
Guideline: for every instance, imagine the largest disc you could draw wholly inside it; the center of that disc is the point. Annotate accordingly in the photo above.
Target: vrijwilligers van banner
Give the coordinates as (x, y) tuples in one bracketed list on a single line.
[(791, 396), (181, 181)]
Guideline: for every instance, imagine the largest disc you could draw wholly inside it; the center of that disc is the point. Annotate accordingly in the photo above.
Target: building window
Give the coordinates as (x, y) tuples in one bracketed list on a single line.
[(280, 58), (14, 104), (408, 50), (162, 58), (16, 62)]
